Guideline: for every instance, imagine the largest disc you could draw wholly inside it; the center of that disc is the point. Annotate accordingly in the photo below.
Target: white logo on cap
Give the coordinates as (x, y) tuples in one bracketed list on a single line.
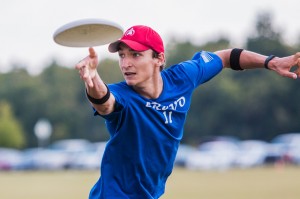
[(130, 32)]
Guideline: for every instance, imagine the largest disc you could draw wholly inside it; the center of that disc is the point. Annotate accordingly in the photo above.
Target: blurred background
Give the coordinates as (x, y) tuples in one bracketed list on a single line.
[(237, 121)]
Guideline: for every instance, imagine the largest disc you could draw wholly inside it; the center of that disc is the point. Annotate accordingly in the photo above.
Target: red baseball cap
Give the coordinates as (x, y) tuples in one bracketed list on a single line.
[(139, 38)]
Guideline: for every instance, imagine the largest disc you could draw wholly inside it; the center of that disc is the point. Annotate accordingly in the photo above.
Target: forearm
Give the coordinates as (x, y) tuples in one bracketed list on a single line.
[(247, 59), (100, 97), (251, 60)]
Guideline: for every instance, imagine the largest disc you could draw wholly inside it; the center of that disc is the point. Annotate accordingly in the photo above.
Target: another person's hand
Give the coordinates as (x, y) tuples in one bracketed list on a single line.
[(284, 65), (88, 67)]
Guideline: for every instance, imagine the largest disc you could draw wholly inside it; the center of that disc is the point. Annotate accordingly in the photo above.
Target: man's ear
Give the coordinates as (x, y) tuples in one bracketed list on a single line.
[(161, 59)]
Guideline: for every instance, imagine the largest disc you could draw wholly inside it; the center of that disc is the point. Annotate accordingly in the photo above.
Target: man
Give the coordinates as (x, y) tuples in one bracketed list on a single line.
[(145, 114)]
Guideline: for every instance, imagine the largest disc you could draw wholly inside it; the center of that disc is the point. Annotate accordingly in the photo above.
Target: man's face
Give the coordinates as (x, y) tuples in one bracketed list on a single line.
[(138, 68)]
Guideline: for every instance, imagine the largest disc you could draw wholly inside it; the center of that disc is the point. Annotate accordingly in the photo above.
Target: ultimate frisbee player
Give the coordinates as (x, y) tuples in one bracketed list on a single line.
[(145, 114)]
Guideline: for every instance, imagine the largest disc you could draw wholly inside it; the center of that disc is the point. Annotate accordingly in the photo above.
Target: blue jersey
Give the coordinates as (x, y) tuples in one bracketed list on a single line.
[(145, 133)]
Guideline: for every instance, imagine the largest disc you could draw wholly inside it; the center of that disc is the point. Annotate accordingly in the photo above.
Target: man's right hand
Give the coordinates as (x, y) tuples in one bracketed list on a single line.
[(88, 67)]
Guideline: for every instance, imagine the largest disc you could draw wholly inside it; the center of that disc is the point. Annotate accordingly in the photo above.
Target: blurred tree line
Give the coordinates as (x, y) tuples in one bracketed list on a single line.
[(256, 104)]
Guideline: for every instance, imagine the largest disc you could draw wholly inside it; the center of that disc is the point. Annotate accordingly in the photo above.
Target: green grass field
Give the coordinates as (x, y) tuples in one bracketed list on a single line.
[(259, 183)]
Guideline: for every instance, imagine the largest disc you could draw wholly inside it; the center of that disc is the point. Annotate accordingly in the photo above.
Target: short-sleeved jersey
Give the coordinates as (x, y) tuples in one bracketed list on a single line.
[(145, 133)]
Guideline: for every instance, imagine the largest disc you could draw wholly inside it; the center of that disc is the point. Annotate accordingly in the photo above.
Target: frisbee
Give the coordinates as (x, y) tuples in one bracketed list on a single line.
[(88, 33)]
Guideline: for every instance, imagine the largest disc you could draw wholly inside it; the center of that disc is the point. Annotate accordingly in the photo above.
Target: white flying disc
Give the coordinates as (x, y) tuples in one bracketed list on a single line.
[(87, 33)]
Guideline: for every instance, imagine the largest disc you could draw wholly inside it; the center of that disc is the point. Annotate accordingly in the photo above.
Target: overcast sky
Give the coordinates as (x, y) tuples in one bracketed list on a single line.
[(27, 26)]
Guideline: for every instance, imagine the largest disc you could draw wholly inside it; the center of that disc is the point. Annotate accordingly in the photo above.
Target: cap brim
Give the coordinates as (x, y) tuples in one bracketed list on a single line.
[(114, 47)]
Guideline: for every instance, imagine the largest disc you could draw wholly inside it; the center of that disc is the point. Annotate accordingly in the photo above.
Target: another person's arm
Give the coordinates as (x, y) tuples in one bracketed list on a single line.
[(251, 60)]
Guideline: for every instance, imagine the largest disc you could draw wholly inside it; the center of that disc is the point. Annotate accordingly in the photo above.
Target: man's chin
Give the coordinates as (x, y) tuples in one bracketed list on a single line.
[(130, 82)]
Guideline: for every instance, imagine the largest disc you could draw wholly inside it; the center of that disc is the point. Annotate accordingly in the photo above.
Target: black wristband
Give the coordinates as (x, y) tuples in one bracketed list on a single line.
[(99, 101), (268, 60), (235, 59)]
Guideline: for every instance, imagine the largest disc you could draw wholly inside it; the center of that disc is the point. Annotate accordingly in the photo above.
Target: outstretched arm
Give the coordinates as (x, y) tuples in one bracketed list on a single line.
[(99, 95), (251, 60)]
